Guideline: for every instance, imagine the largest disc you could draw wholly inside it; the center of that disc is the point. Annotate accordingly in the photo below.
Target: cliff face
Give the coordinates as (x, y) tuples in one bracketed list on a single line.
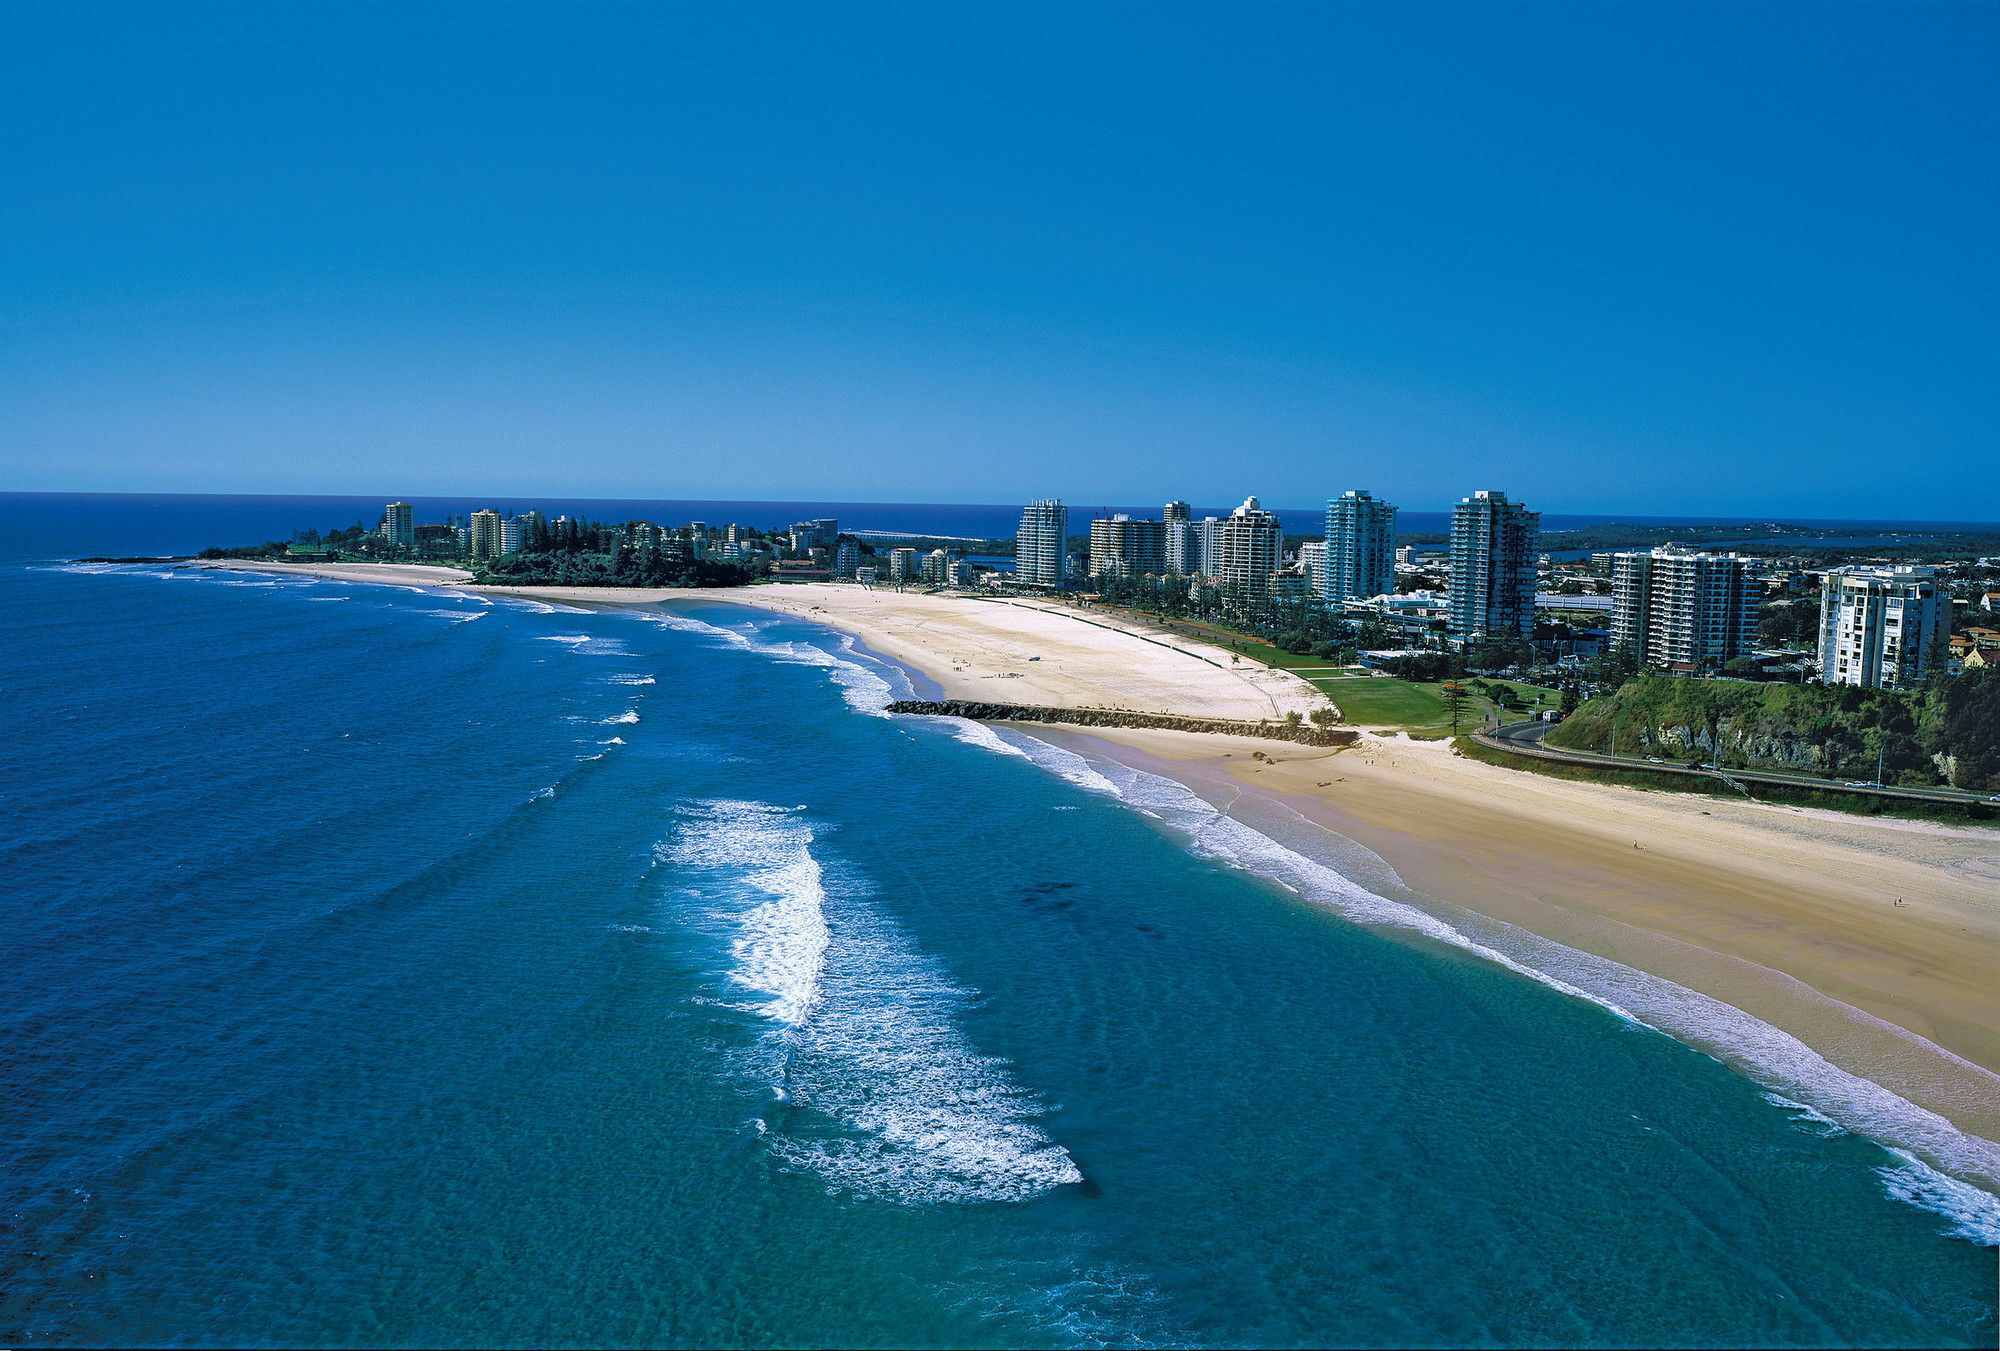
[(1304, 734)]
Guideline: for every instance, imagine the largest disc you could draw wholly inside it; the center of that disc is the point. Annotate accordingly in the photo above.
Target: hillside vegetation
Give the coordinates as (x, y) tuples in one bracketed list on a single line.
[(1947, 733)]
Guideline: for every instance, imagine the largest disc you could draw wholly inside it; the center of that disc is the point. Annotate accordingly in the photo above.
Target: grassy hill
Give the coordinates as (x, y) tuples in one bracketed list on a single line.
[(1947, 733)]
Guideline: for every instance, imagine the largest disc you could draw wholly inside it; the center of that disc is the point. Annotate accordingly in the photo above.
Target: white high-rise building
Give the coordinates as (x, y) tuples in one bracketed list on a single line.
[(1249, 548), (1040, 543), (1682, 608), (1312, 558), (1492, 568), (399, 525), (964, 572), (1177, 520), (902, 564), (1360, 548), (937, 567), (1882, 626), (1123, 547), (483, 534)]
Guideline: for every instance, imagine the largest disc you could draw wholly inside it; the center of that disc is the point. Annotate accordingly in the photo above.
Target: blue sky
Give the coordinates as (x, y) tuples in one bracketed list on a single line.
[(1710, 260)]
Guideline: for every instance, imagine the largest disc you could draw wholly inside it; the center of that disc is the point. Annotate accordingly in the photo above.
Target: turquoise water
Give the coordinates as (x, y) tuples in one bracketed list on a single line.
[(393, 967)]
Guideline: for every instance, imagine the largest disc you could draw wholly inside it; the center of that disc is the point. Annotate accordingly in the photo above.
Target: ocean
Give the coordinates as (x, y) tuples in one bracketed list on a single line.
[(391, 966)]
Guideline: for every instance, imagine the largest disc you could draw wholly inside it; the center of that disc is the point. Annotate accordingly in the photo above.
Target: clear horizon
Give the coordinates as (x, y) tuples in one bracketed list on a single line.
[(1660, 261)]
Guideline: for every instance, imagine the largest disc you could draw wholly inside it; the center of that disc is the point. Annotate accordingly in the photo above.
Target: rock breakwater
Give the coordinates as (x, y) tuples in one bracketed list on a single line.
[(1303, 733)]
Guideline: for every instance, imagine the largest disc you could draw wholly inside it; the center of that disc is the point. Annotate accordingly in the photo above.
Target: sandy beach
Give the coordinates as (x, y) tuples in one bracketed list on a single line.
[(1873, 943)]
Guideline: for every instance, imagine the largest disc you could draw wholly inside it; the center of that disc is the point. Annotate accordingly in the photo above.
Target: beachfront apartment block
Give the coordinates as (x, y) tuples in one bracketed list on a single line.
[(902, 565), (1887, 626), (1178, 519), (1204, 545), (937, 567), (1041, 543), (1123, 547), (399, 525), (1312, 563), (1492, 568), (1683, 609), (1360, 549), (1249, 547), (483, 534)]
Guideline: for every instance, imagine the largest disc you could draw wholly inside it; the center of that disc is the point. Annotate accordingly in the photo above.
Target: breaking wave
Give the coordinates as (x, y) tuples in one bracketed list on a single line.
[(876, 1088)]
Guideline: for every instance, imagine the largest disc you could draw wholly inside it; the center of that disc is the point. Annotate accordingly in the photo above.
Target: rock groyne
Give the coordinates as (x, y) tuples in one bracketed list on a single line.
[(1304, 733)]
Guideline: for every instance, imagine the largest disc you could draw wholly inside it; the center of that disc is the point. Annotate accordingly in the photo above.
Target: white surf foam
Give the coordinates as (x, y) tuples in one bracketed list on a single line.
[(980, 735), (784, 935), (1972, 1214), (586, 644), (631, 678), (861, 685), (541, 607), (614, 741), (630, 715), (916, 1114), (879, 1091)]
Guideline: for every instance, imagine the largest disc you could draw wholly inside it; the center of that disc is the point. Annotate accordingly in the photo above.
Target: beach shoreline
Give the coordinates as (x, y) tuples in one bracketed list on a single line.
[(1870, 943)]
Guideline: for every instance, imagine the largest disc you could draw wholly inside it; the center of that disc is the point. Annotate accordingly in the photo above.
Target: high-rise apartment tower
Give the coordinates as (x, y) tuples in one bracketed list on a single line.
[(1360, 548), (1681, 608), (1123, 547), (1492, 568), (399, 525), (1176, 518), (1040, 542), (1881, 626), (1248, 546)]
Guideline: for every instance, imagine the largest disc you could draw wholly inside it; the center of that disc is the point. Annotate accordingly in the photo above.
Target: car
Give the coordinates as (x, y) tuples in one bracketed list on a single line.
[(1858, 783), (1654, 760)]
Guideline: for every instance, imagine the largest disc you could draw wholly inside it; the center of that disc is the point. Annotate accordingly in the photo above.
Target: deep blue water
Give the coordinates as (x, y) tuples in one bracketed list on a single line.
[(394, 967), (65, 525)]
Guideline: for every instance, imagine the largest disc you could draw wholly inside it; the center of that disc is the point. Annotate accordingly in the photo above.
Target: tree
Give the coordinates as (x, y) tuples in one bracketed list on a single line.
[(1569, 700), (1454, 702)]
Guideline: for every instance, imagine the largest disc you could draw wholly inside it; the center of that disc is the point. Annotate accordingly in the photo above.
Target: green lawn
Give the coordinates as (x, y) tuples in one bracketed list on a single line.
[(1419, 708)]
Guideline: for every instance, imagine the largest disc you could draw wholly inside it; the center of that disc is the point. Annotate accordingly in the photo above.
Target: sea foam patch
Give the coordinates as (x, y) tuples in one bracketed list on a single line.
[(879, 1091)]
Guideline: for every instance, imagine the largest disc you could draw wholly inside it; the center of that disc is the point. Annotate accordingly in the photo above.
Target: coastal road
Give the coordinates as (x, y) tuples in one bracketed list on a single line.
[(1525, 738)]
